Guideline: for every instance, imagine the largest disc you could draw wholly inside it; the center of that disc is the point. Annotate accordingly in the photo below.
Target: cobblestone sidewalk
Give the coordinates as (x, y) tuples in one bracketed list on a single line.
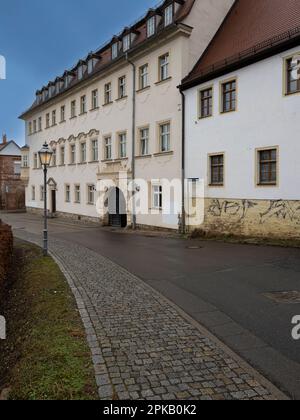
[(142, 347)]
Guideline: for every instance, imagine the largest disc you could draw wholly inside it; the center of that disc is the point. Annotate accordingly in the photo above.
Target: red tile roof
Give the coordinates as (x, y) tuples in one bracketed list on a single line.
[(249, 23)]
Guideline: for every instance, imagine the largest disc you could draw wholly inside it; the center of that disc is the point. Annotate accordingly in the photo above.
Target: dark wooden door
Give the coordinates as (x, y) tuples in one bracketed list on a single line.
[(53, 200)]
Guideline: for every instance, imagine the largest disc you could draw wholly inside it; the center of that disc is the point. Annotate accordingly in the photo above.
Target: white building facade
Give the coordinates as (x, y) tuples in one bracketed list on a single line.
[(242, 136), (117, 116)]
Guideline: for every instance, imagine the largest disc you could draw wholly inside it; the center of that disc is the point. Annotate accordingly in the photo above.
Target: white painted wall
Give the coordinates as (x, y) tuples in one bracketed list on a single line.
[(264, 117)]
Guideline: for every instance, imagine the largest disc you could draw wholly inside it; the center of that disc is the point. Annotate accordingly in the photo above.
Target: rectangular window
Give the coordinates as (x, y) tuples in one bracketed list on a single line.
[(229, 96), (293, 76), (144, 139), (217, 170), (122, 87), (54, 117), (67, 194), (91, 194), (107, 94), (54, 158), (151, 26), (17, 168), (122, 146), (83, 152), (29, 128), (206, 103), (63, 114), (62, 155), (73, 109), (267, 160), (107, 148), (157, 197), (165, 137), (40, 123), (143, 73), (126, 42), (73, 154), (168, 15), (34, 126), (25, 161), (114, 50), (42, 193), (83, 104), (77, 194), (35, 161), (164, 67), (95, 153), (47, 120), (33, 193), (95, 103)]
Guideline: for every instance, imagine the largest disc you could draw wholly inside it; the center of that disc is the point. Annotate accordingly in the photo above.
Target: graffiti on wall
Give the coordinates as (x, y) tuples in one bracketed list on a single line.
[(239, 209), (282, 210)]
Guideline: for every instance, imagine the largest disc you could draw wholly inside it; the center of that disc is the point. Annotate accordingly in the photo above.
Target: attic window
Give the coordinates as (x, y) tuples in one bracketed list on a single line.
[(151, 26), (114, 50), (168, 15), (126, 42), (81, 70)]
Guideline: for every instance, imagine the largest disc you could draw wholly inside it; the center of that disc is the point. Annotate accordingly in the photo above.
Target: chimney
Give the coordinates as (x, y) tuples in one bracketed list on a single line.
[(4, 139)]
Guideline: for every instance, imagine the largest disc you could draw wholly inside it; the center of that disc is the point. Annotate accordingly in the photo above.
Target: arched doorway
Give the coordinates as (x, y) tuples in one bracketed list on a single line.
[(117, 208), (52, 195)]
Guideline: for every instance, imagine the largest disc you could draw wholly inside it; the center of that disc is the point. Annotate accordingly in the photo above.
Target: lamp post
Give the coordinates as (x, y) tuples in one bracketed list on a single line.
[(45, 155)]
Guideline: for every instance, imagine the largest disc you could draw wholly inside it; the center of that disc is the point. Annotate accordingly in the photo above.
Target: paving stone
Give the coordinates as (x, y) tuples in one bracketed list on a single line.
[(141, 346)]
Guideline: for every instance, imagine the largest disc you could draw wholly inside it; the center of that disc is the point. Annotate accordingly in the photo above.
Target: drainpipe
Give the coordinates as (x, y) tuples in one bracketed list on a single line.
[(183, 214), (133, 138)]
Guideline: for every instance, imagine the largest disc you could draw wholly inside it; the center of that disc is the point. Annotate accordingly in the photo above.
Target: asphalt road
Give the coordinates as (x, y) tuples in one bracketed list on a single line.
[(223, 286)]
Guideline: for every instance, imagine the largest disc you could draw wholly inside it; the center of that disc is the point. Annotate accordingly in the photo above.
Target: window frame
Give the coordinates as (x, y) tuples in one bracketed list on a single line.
[(83, 150), (223, 83), (95, 150), (73, 109), (211, 183), (108, 93), (144, 77), (62, 113), (122, 145), (143, 138), (122, 87), (151, 24), (107, 147), (164, 67), (95, 99), (201, 116), (89, 191), (161, 134), (169, 16), (287, 92), (258, 162), (83, 109), (67, 193), (157, 195), (73, 153), (77, 193)]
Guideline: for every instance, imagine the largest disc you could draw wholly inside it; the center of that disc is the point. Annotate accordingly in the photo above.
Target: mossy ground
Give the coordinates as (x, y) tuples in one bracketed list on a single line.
[(45, 356)]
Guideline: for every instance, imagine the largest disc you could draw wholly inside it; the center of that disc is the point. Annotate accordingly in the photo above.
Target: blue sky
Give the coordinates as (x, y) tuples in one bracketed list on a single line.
[(40, 39)]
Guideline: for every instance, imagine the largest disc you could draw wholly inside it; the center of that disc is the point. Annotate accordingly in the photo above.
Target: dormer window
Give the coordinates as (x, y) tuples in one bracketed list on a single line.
[(168, 15), (114, 50), (151, 26), (126, 42), (81, 70)]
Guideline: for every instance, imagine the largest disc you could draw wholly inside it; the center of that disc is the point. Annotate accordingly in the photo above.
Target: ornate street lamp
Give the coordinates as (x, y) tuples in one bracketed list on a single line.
[(45, 155)]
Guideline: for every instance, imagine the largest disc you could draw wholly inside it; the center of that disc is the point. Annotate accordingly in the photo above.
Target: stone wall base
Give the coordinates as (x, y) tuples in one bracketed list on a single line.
[(278, 219)]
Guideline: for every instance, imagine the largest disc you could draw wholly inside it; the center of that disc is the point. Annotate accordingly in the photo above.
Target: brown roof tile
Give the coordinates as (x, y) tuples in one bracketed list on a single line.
[(249, 23)]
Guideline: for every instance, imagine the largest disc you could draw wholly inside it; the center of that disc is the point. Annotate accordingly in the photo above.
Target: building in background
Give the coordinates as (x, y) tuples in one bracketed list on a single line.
[(12, 188), (88, 117), (242, 122)]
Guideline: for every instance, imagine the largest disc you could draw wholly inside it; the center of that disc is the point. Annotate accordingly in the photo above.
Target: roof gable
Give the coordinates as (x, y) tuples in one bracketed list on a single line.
[(10, 149), (247, 27)]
